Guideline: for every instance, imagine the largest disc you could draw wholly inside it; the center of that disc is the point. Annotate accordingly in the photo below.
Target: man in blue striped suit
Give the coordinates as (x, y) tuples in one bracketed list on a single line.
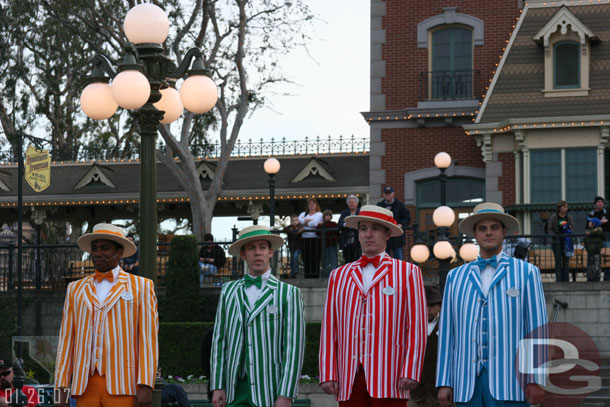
[(259, 333), (489, 306)]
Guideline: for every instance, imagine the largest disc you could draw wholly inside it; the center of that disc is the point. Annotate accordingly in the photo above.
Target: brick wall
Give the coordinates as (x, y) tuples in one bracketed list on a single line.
[(404, 61), (506, 183)]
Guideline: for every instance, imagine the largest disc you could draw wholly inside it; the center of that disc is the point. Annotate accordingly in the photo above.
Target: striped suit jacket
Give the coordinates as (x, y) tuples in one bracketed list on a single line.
[(276, 331), (516, 308), (129, 327), (385, 328)]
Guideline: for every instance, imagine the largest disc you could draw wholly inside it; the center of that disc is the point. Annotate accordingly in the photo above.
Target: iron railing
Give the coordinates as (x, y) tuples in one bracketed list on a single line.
[(449, 85), (250, 148)]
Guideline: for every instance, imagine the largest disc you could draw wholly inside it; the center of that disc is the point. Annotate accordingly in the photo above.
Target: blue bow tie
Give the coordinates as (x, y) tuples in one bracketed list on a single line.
[(482, 263)]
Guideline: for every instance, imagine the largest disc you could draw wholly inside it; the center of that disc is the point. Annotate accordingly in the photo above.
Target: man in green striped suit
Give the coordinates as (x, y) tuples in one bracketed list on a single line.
[(259, 334)]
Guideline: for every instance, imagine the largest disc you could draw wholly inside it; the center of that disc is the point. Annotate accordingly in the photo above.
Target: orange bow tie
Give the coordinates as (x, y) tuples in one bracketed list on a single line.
[(364, 260), (99, 276)]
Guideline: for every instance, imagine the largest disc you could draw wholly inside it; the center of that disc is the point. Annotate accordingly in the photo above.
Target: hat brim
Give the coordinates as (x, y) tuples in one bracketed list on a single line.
[(84, 242), (510, 223), (352, 222), (275, 241)]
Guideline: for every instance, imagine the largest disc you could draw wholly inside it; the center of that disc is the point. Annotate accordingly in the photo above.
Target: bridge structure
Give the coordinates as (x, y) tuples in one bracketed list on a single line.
[(103, 190)]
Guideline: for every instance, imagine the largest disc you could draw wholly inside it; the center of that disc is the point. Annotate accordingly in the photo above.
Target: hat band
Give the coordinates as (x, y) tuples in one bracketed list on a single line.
[(490, 210), (379, 216), (254, 233), (109, 232)]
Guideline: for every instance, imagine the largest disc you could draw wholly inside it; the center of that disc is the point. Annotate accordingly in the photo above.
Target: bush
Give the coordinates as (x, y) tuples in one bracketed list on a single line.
[(182, 302), (180, 348)]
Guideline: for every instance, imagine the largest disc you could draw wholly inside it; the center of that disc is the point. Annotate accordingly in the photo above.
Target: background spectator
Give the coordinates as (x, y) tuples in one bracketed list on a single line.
[(310, 219), (348, 240), (401, 215), (330, 240), (131, 264), (600, 212), (593, 244), (293, 235), (211, 258), (561, 226)]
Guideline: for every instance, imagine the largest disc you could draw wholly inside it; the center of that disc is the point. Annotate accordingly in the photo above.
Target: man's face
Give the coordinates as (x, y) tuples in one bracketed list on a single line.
[(489, 234), (373, 237), (388, 196), (433, 310), (352, 204), (257, 255), (105, 254), (599, 205)]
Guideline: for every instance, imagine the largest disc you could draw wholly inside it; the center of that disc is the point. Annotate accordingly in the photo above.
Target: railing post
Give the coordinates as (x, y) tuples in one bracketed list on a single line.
[(11, 266), (38, 259)]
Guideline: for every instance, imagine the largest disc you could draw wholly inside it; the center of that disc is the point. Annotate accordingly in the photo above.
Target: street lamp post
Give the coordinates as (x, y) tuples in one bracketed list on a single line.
[(144, 83), (443, 217), (272, 167)]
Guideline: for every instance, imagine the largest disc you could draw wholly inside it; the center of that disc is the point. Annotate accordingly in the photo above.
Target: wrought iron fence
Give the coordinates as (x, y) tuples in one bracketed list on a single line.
[(250, 148), (449, 85)]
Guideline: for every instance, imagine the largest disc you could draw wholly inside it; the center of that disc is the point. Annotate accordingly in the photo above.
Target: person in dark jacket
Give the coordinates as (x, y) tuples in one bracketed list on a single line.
[(600, 212), (348, 238), (401, 215), (561, 226), (329, 240), (593, 243), (211, 258), (424, 395)]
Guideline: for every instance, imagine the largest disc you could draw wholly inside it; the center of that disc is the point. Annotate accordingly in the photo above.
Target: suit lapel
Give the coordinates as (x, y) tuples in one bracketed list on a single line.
[(382, 270), (265, 297), (474, 275), (90, 297), (117, 290), (355, 273)]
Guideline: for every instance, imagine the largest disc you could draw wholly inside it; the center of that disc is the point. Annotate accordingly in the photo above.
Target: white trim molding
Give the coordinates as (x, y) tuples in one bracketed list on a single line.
[(450, 16)]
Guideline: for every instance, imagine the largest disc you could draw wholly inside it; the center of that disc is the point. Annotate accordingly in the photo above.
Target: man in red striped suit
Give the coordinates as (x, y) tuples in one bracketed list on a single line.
[(374, 324)]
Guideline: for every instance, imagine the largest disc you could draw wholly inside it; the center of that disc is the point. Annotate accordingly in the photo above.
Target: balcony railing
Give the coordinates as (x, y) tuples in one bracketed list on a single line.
[(249, 148), (449, 85)]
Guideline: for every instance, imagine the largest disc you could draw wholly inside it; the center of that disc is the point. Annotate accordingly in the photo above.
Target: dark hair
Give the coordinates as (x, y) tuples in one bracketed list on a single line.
[(598, 198), (327, 212), (208, 237), (560, 204)]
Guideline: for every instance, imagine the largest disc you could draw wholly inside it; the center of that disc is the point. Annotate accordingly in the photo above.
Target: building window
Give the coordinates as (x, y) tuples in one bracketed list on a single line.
[(545, 175), (571, 170), (451, 75), (566, 65), (581, 174), (461, 192)]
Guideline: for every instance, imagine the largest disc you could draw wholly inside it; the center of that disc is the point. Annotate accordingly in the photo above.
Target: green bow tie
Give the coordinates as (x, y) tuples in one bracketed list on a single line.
[(257, 281)]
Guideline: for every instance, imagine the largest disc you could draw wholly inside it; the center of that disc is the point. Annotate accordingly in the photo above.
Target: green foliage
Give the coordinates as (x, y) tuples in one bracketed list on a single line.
[(182, 299), (180, 348), (8, 320)]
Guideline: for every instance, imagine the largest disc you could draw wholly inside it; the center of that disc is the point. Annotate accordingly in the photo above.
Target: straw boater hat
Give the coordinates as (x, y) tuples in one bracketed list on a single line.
[(106, 231), (255, 232), (373, 213), (488, 210)]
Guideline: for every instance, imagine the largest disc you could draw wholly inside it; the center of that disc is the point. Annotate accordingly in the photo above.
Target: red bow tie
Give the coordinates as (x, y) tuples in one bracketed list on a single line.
[(99, 276), (364, 260)]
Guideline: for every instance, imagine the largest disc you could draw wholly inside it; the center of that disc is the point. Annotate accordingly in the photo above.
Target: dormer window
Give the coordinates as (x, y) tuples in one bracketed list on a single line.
[(567, 42), (566, 65)]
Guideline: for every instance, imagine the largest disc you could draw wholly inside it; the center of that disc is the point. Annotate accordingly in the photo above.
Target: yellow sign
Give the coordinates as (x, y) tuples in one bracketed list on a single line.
[(37, 168)]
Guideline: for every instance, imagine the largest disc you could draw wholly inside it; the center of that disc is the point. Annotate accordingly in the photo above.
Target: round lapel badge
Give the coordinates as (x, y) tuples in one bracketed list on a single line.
[(127, 296), (388, 290), (272, 309)]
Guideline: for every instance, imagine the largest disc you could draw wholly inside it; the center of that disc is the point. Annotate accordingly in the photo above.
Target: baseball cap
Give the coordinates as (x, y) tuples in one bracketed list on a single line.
[(388, 190)]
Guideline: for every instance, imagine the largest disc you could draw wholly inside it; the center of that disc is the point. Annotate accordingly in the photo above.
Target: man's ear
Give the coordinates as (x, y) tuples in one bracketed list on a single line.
[(120, 251)]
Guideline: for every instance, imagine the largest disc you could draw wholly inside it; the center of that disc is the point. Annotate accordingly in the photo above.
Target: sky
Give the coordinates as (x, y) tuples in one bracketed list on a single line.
[(332, 86)]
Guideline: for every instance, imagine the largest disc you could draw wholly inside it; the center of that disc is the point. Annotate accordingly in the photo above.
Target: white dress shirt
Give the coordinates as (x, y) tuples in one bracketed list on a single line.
[(103, 287), (253, 292), (432, 324), (487, 275), (368, 273)]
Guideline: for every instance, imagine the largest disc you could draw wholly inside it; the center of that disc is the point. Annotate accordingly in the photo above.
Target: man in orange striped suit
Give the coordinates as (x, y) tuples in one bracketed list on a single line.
[(374, 327), (107, 352)]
